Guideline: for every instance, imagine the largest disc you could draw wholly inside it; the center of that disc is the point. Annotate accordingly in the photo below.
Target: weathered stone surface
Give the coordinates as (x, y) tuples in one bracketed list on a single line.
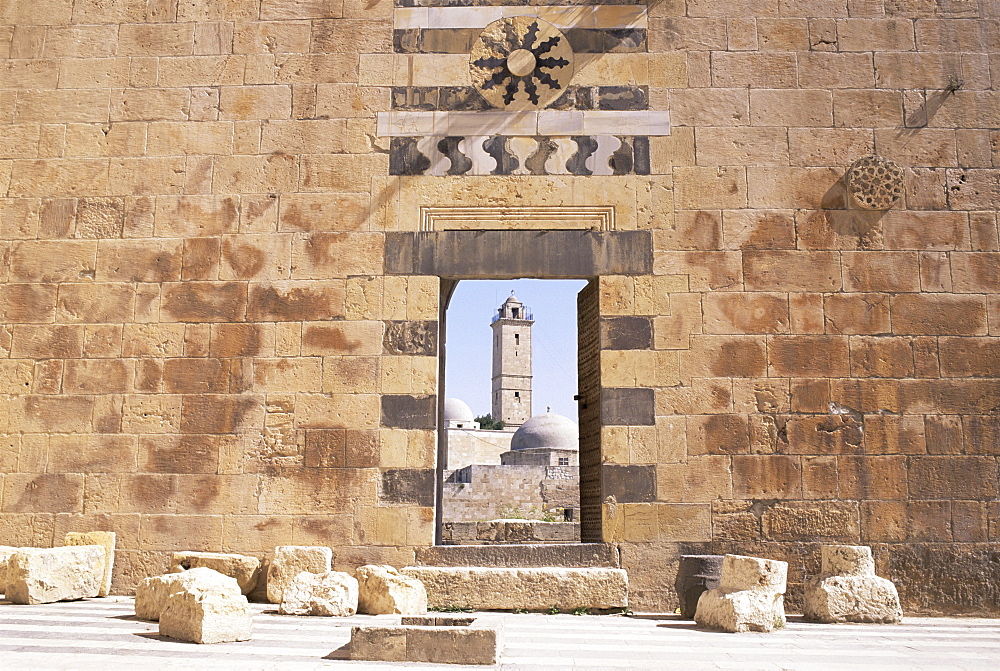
[(572, 555), (59, 574), (330, 594), (106, 539), (244, 569), (6, 552), (235, 231), (152, 593), (750, 596), (290, 560), (438, 640), (384, 590), (207, 610), (848, 590), (511, 588), (496, 254)]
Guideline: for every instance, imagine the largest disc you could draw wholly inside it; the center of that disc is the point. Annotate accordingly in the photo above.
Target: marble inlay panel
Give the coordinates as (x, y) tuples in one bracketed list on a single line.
[(542, 122), (461, 40), (467, 99), (582, 155)]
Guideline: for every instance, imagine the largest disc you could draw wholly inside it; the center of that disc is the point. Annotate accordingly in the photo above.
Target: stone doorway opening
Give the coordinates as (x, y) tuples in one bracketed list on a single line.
[(509, 433), (455, 255)]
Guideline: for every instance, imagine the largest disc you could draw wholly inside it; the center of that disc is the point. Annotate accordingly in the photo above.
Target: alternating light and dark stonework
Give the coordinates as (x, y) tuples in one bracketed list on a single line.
[(498, 155), (522, 59)]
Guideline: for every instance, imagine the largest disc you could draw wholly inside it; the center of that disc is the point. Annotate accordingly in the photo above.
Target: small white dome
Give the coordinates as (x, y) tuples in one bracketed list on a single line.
[(512, 300), (547, 430), (456, 410)]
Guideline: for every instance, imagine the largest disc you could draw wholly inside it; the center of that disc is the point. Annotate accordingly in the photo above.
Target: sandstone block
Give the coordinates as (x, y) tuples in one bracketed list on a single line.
[(59, 574), (330, 594), (291, 560), (208, 609), (244, 569), (152, 593), (750, 596), (528, 588), (384, 590), (106, 539), (848, 590), (439, 640), (6, 552)]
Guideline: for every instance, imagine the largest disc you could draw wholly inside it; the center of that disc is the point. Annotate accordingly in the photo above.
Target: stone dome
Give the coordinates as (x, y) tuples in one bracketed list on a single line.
[(547, 430), (456, 410), (512, 300)]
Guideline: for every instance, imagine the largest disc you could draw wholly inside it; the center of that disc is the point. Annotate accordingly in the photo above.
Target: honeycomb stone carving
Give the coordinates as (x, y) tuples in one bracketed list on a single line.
[(521, 63), (875, 182)]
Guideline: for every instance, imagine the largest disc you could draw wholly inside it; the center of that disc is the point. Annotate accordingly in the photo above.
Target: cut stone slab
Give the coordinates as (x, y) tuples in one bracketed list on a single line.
[(291, 560), (6, 552), (207, 610), (244, 569), (438, 640), (328, 594), (385, 591), (483, 588), (750, 596), (854, 560), (151, 594), (106, 539), (58, 574), (848, 590)]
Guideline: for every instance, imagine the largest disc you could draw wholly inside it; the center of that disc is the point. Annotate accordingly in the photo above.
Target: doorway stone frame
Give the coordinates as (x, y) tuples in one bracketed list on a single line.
[(452, 256)]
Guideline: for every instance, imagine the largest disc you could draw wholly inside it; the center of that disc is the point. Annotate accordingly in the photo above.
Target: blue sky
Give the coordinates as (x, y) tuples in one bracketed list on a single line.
[(469, 362)]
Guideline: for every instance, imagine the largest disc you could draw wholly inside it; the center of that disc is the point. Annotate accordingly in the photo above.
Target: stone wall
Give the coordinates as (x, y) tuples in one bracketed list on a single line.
[(508, 532), (478, 492), (220, 275), (468, 446)]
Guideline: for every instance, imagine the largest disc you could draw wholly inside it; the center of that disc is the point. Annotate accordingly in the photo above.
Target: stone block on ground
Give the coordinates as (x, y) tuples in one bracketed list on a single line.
[(437, 640), (333, 593), (58, 574), (152, 593), (847, 590), (208, 609), (241, 567), (750, 596), (291, 560), (6, 552), (485, 588), (106, 539), (382, 590)]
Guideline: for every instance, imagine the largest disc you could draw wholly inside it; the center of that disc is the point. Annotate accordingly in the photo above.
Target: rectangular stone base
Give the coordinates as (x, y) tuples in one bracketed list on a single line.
[(434, 639), (533, 589)]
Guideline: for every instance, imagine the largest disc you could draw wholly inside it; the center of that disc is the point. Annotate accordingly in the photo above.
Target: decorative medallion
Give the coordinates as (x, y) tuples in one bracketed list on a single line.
[(875, 182), (521, 63)]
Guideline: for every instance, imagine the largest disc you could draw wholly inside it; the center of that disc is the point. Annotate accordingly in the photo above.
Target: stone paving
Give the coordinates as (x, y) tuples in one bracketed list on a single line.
[(102, 633)]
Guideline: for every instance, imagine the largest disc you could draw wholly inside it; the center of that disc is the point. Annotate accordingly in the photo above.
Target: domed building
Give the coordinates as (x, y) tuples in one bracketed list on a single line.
[(458, 415), (548, 439)]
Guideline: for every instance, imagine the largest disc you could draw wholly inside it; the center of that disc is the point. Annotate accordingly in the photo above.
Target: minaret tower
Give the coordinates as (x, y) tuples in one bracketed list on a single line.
[(512, 363)]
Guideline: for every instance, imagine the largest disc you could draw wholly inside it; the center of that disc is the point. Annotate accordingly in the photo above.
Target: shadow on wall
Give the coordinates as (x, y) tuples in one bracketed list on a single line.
[(851, 222)]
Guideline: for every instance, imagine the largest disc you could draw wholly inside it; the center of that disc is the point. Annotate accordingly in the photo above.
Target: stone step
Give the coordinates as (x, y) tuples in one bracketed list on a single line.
[(566, 555), (533, 589)]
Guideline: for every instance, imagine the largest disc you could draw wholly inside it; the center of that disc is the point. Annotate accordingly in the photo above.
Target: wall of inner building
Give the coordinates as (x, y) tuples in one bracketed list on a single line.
[(224, 229), (476, 446)]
